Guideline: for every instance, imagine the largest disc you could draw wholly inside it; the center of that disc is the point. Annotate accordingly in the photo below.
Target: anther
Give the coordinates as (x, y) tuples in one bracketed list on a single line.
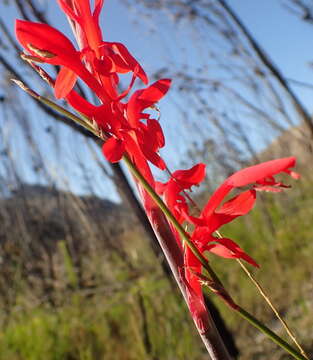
[(41, 52)]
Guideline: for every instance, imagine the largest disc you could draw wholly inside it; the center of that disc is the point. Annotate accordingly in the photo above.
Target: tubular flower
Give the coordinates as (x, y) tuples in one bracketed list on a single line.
[(215, 214), (107, 57), (52, 47), (180, 181), (97, 63), (146, 136)]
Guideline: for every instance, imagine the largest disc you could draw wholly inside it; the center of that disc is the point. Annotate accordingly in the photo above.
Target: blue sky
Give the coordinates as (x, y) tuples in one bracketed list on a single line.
[(288, 40)]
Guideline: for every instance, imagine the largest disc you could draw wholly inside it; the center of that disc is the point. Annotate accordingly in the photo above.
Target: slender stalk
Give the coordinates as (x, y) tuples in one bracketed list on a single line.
[(185, 237), (269, 302), (271, 305), (269, 333), (83, 122)]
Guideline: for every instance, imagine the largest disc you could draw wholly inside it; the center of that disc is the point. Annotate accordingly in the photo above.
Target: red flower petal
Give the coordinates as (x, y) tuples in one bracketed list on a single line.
[(46, 39), (126, 91), (128, 59), (258, 172), (192, 176), (199, 221), (56, 49), (68, 10), (154, 128), (64, 83), (229, 249), (182, 180), (113, 149), (216, 199), (202, 235), (97, 10), (153, 157), (81, 104), (137, 156), (196, 303), (142, 99), (237, 206), (156, 91), (160, 187)]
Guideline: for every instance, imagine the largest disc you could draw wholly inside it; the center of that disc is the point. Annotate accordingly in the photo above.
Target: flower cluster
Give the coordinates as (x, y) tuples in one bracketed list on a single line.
[(130, 130), (216, 213), (98, 64)]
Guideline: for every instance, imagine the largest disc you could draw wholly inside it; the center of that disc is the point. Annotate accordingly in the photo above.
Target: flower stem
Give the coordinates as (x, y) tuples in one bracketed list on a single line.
[(271, 305), (83, 122), (269, 333), (269, 302)]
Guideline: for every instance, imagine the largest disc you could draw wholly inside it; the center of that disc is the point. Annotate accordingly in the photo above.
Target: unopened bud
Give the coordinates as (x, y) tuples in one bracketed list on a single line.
[(43, 74), (26, 88)]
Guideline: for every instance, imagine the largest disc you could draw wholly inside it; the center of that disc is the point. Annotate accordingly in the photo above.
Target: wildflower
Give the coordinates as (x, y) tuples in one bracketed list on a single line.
[(97, 62), (180, 181), (137, 136), (215, 214)]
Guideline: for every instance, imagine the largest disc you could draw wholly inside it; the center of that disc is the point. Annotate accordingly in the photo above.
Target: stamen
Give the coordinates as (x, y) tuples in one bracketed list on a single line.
[(30, 58), (41, 52)]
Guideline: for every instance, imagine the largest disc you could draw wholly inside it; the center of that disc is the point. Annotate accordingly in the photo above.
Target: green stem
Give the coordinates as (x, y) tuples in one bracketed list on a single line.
[(265, 330), (67, 113), (83, 122), (185, 237)]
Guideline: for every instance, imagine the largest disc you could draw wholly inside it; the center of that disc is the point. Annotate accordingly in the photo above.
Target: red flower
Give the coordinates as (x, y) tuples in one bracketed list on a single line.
[(180, 180), (135, 136), (215, 215), (85, 23), (52, 47), (112, 56), (97, 63), (261, 176)]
